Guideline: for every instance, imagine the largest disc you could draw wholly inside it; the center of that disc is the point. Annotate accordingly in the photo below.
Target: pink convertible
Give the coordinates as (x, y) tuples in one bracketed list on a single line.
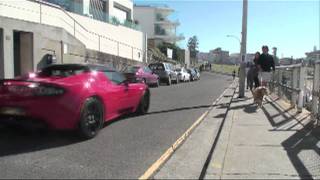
[(71, 96)]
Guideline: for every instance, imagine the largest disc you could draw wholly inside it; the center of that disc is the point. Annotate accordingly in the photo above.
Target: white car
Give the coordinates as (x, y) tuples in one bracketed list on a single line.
[(183, 74)]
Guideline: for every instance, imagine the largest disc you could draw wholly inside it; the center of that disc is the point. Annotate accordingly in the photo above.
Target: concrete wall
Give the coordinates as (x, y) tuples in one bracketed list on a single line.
[(46, 40), (125, 36), (146, 18), (54, 41), (1, 55), (96, 35), (96, 57)]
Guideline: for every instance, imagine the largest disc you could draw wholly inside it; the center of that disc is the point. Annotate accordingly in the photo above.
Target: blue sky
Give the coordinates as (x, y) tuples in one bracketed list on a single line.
[(291, 26)]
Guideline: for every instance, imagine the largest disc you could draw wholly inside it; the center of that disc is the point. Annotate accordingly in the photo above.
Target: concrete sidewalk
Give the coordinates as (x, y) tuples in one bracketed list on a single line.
[(248, 143)]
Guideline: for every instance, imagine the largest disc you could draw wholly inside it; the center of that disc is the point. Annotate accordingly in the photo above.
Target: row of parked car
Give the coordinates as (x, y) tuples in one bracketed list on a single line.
[(156, 73)]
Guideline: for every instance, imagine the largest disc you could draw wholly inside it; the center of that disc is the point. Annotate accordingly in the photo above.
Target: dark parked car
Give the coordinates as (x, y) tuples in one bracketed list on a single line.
[(165, 71), (193, 74), (143, 74)]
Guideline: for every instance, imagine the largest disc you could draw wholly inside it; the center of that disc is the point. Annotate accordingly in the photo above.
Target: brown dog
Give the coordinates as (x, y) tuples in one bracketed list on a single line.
[(258, 95)]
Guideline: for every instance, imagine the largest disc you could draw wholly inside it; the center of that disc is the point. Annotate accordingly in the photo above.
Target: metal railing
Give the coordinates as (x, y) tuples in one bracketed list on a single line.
[(85, 30), (299, 84)]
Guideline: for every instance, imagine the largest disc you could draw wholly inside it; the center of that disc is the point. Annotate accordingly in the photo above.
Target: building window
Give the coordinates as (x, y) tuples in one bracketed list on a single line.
[(120, 14)]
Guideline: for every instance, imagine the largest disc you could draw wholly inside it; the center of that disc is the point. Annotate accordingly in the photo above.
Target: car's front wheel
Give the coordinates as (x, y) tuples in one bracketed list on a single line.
[(91, 118), (144, 104)]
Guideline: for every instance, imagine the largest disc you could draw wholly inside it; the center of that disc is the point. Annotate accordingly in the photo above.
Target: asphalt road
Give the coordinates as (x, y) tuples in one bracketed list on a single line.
[(125, 148)]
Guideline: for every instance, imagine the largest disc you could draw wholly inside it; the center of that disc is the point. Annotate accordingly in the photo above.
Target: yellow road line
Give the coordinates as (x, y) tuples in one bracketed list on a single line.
[(156, 165)]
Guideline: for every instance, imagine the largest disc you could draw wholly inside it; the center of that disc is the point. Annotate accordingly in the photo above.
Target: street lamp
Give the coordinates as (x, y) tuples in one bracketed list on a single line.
[(235, 37)]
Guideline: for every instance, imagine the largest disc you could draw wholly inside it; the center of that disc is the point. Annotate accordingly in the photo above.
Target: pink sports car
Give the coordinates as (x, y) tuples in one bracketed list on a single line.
[(71, 96)]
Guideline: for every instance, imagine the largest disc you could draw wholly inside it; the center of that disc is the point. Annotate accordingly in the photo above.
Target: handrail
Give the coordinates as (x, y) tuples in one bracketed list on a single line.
[(286, 86), (289, 66), (75, 21)]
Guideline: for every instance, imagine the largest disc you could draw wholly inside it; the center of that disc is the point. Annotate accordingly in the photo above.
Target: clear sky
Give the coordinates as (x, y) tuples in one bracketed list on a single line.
[(291, 26)]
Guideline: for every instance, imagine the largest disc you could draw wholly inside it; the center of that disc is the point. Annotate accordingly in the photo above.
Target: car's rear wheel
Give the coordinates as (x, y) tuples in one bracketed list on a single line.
[(144, 104), (91, 118)]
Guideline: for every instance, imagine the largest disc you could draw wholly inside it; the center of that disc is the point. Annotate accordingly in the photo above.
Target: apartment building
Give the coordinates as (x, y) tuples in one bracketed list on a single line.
[(36, 33), (154, 21), (313, 55)]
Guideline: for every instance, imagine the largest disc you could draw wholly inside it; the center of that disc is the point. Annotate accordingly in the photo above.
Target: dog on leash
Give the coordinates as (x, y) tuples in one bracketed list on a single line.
[(258, 95)]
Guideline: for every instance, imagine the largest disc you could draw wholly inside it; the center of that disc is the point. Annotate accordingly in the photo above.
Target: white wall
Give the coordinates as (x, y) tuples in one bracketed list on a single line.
[(46, 40), (126, 3), (146, 18), (8, 53), (87, 31)]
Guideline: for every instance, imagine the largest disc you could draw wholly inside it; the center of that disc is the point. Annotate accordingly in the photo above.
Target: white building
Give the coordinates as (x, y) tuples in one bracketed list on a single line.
[(73, 31), (155, 23)]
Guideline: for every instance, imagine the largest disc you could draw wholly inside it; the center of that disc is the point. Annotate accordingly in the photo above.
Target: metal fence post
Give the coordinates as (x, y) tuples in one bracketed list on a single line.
[(279, 83), (301, 87), (294, 85), (315, 90), (272, 84)]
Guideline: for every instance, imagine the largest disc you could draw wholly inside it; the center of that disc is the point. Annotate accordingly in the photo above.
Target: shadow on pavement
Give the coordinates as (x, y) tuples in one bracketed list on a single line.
[(182, 109), (240, 99), (271, 118), (303, 151), (247, 108), (14, 140), (303, 146)]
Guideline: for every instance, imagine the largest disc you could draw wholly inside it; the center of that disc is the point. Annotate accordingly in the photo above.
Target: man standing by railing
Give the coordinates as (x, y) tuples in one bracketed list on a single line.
[(265, 64)]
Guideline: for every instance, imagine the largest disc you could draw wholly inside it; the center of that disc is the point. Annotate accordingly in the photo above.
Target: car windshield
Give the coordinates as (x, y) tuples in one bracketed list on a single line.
[(132, 69), (62, 70), (157, 67), (178, 70)]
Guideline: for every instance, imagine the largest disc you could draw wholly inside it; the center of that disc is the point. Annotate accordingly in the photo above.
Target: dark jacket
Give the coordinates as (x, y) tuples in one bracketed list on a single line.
[(266, 62)]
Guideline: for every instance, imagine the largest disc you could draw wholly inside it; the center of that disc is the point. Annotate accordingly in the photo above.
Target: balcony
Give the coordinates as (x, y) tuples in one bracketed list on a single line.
[(94, 13), (168, 36)]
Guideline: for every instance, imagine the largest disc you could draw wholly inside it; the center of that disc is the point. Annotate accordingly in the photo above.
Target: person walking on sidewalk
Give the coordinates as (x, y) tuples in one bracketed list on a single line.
[(265, 64), (256, 70), (250, 77)]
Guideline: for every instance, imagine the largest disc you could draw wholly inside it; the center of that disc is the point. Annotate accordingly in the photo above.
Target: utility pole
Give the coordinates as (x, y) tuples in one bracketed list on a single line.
[(243, 51)]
